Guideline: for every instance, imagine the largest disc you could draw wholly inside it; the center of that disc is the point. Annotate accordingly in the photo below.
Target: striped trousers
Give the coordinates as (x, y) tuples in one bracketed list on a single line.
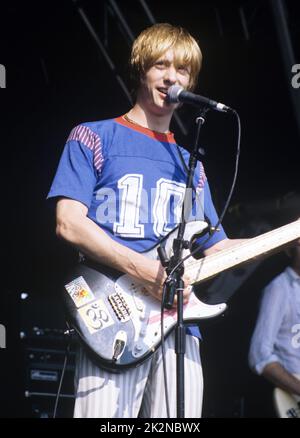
[(139, 391)]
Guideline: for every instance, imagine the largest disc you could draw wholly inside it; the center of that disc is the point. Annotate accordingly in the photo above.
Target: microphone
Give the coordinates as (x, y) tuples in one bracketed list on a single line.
[(179, 94)]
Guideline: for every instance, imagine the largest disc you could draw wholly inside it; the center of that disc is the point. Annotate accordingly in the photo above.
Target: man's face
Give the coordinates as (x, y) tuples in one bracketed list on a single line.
[(162, 75)]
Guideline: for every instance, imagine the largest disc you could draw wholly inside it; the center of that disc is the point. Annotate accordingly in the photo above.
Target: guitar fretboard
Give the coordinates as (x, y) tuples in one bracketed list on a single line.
[(209, 266)]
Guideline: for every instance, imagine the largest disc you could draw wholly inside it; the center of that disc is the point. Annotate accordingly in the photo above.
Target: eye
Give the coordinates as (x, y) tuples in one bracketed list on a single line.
[(183, 69), (160, 64)]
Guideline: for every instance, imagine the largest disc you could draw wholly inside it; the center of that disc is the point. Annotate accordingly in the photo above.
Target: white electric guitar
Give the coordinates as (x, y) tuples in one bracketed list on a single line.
[(119, 322), (287, 405)]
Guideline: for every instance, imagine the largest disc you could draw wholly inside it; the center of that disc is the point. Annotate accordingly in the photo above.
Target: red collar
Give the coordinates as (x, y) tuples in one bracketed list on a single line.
[(160, 136)]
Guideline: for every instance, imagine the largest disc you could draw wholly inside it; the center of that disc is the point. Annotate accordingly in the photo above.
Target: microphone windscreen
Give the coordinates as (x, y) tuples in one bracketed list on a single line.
[(173, 93)]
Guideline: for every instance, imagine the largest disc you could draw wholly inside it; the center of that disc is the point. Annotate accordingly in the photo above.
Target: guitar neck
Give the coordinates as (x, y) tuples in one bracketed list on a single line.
[(209, 266)]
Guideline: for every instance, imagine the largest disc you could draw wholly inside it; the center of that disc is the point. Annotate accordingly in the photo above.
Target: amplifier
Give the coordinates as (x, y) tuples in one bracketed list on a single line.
[(44, 353)]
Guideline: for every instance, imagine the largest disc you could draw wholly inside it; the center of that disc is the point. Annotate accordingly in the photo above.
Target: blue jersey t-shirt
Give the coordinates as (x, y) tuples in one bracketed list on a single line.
[(132, 181)]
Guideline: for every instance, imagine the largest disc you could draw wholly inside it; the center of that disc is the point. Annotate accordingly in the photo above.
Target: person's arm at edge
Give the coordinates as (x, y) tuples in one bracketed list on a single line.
[(280, 377)]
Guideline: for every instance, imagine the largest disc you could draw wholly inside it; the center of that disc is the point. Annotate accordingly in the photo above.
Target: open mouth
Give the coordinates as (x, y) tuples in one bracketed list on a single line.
[(163, 91)]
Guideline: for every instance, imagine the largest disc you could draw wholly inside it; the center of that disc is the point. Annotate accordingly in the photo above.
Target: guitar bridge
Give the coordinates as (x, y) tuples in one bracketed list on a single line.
[(120, 307)]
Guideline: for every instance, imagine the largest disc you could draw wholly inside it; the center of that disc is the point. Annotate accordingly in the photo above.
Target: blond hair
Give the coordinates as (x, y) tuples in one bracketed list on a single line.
[(154, 41)]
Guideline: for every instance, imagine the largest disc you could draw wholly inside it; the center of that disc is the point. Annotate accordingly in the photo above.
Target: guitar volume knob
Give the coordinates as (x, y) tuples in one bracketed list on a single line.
[(138, 348)]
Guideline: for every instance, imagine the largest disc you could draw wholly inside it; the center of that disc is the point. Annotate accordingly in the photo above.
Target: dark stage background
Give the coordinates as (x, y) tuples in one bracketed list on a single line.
[(57, 78)]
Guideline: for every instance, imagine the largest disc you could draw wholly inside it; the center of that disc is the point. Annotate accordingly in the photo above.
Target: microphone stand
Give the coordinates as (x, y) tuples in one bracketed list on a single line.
[(176, 283)]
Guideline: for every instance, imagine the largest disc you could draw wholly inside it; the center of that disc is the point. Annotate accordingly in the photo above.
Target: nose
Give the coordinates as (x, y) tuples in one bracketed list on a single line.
[(171, 75)]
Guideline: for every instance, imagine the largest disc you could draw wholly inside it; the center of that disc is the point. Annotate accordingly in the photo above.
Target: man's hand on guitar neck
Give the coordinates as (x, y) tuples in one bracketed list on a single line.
[(223, 244)]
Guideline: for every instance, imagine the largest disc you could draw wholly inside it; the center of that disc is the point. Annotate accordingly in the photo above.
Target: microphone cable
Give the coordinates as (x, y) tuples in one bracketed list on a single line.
[(215, 227)]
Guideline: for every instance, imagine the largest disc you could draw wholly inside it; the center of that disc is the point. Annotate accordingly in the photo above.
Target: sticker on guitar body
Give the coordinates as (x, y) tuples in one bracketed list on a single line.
[(79, 291), (96, 316)]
